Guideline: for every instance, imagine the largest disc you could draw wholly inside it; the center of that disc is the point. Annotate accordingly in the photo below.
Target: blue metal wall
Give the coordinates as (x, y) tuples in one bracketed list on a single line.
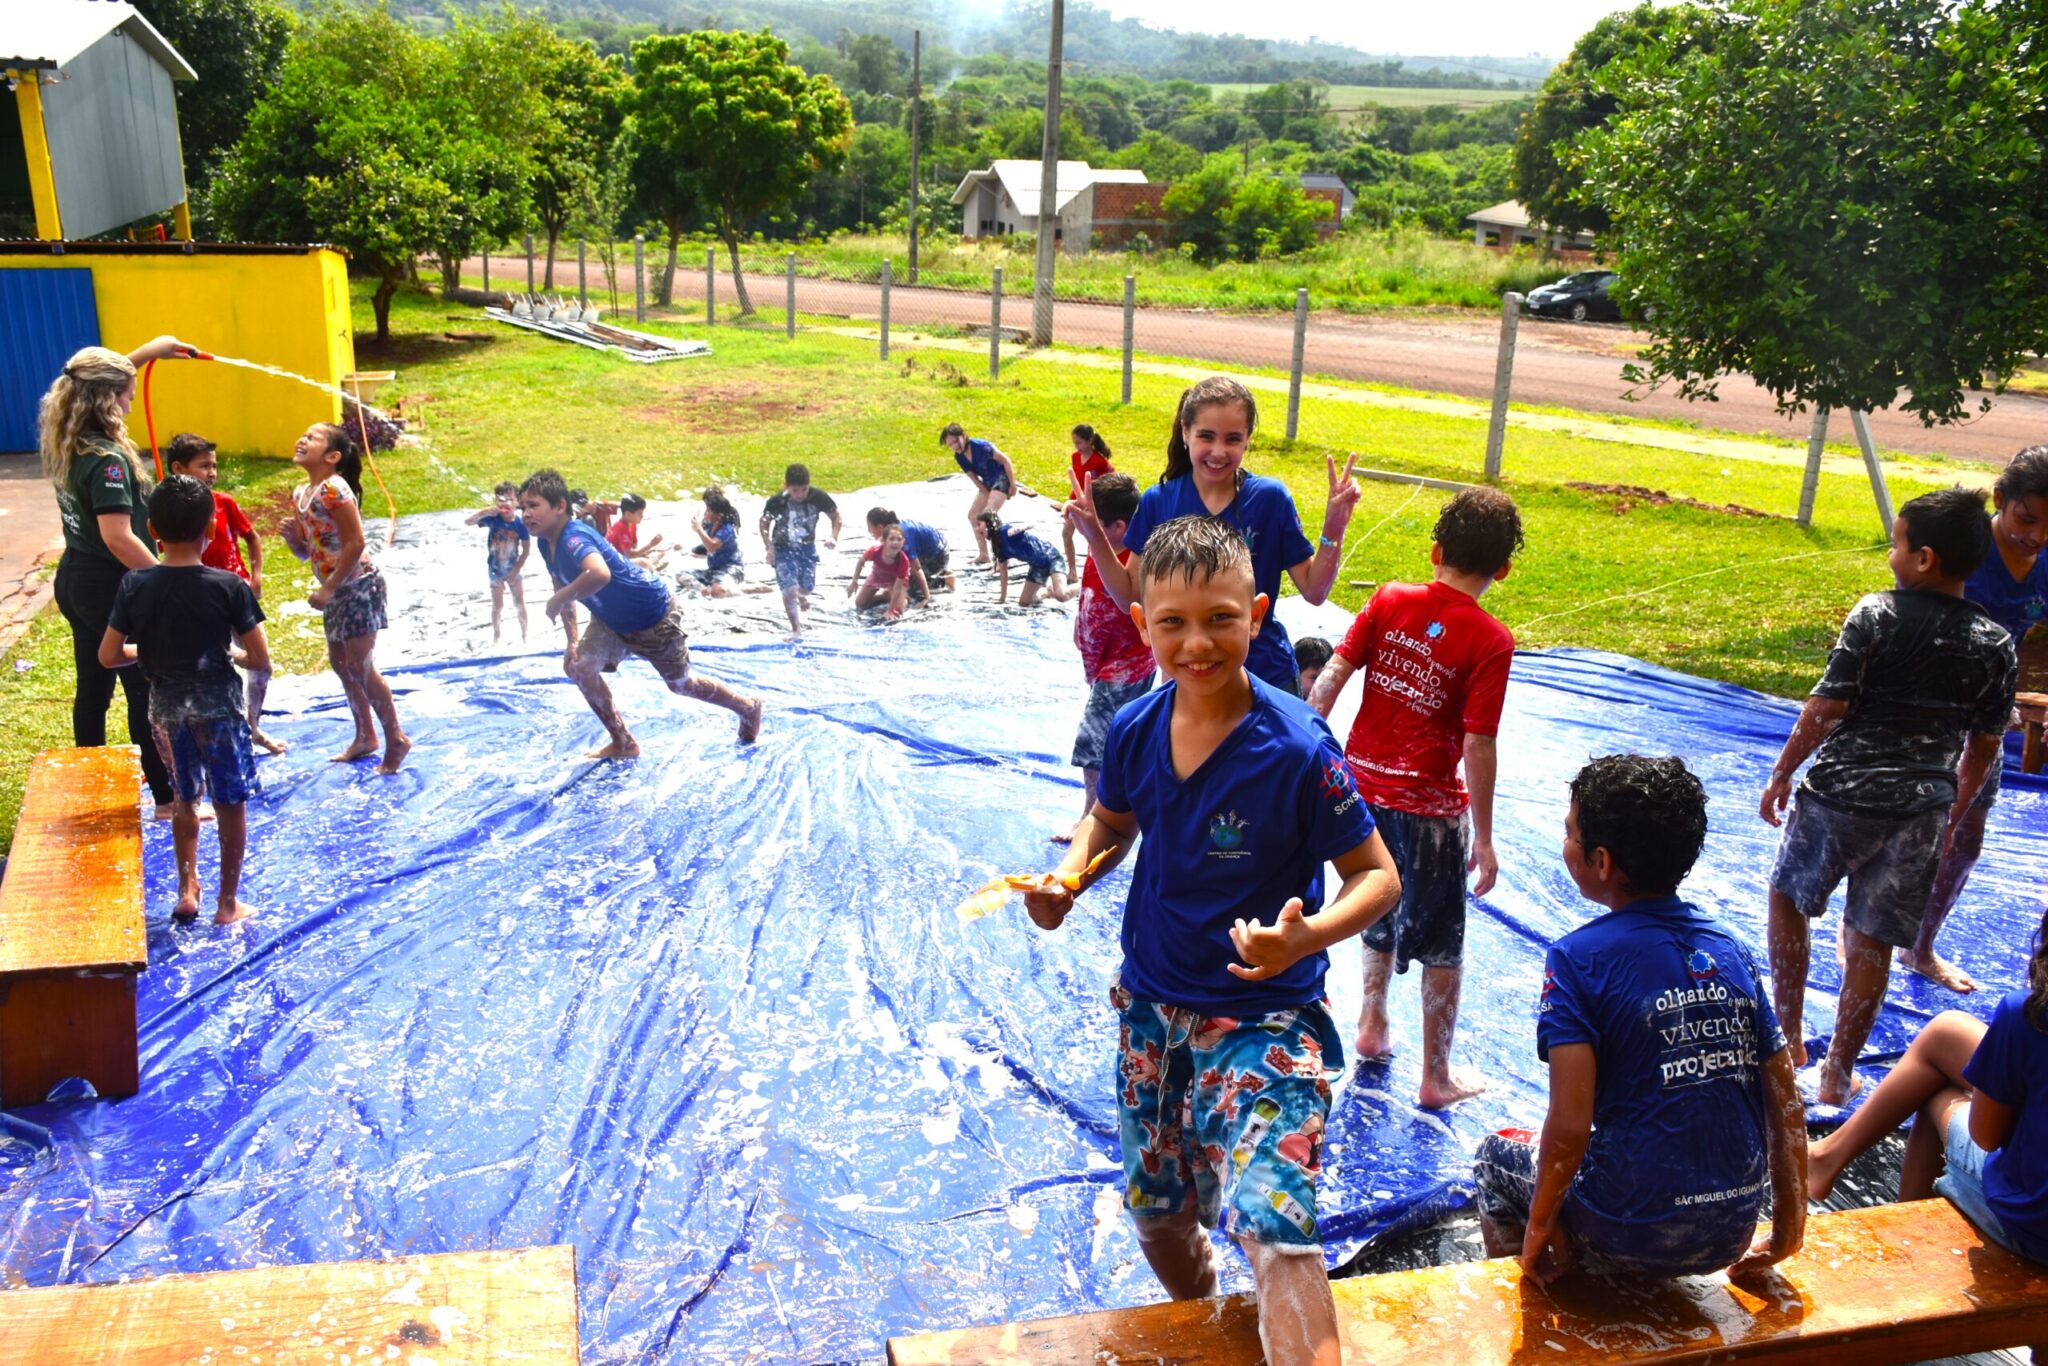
[(45, 315)]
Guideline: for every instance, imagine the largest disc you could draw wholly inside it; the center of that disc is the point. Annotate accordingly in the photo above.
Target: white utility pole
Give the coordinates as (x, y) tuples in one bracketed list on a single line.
[(1048, 186)]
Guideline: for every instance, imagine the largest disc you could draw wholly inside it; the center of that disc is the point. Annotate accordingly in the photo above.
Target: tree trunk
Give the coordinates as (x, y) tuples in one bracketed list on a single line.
[(380, 302), (451, 275), (666, 294), (548, 280), (739, 281)]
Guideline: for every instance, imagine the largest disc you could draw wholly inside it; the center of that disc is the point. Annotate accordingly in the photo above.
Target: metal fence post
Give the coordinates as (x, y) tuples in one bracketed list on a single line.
[(487, 270), (885, 308), (1503, 379), (995, 325), (711, 286), (1874, 468), (1816, 447), (1294, 371), (1130, 329), (789, 308), (529, 263), (639, 277), (582, 281)]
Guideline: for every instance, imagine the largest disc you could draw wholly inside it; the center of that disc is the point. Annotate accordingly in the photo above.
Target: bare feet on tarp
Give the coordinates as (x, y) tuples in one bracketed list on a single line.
[(750, 721), (228, 912), (266, 744), (395, 750), (628, 748), (359, 748), (1938, 970), (1459, 1083)]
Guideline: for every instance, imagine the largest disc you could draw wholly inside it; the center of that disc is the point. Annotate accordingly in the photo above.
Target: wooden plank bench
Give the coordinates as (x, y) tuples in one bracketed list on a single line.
[(2033, 710), (71, 932), (454, 1309), (1888, 1284)]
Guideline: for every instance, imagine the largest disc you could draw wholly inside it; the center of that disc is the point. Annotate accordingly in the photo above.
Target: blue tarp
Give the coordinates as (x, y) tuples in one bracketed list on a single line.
[(709, 1017)]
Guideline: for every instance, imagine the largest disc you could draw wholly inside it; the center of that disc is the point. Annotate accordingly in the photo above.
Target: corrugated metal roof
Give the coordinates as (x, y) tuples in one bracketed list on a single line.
[(49, 34), (1020, 178)]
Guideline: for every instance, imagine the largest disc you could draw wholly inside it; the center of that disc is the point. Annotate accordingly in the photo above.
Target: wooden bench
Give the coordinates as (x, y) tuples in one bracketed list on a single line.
[(71, 933), (2033, 709), (456, 1309), (1888, 1284)]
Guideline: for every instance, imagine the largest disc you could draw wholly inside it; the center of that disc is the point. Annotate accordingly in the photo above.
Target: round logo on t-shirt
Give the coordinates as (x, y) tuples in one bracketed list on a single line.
[(1701, 965)]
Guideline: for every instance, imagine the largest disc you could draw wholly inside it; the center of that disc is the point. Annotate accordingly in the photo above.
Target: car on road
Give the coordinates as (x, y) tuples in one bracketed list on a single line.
[(1586, 295)]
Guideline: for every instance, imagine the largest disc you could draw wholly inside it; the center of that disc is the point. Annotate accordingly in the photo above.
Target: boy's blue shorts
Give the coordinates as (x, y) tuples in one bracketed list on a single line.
[(211, 755), (796, 566), (1226, 1114)]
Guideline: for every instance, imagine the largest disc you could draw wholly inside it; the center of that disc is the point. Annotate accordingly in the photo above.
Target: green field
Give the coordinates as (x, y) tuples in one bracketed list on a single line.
[(1393, 96)]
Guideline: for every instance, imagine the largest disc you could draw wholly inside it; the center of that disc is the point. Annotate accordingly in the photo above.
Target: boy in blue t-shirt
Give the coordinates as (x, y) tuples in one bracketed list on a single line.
[(1242, 795), (631, 613), (506, 547), (1672, 1099)]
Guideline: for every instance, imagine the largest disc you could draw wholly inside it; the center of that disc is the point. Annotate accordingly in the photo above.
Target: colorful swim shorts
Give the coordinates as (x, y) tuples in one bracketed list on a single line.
[(1226, 1113), (357, 607), (210, 756)]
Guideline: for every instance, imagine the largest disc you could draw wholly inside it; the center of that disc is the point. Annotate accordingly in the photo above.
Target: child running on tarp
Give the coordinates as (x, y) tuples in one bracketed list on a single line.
[(995, 479), (894, 576), (1436, 676), (1090, 460), (1978, 1099), (631, 613), (1916, 672), (624, 534), (1672, 1101), (183, 617), (506, 546), (193, 455), (920, 540), (718, 529), (1115, 659), (1012, 542), (1205, 475), (1224, 1037), (350, 593), (2012, 588), (789, 529)]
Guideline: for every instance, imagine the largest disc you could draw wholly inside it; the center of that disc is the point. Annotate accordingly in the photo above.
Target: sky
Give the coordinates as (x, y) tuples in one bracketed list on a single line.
[(1504, 28)]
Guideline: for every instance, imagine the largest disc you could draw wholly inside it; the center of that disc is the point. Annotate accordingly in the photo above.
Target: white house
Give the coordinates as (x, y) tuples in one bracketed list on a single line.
[(1507, 224), (1004, 199)]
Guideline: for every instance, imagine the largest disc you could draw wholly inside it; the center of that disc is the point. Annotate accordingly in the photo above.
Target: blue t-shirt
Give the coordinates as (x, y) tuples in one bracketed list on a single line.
[(1679, 1163), (727, 556), (2010, 1066), (1236, 839), (633, 601), (1013, 542), (980, 461), (502, 538), (2019, 605), (1263, 513), (922, 541)]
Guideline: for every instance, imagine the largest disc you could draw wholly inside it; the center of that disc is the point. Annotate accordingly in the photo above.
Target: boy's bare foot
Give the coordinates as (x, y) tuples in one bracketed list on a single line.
[(231, 912), (1461, 1084), (1065, 836), (187, 909), (750, 721), (358, 748), (628, 748), (1375, 1040), (169, 810), (395, 750), (266, 744), (1838, 1093), (981, 559), (1938, 970)]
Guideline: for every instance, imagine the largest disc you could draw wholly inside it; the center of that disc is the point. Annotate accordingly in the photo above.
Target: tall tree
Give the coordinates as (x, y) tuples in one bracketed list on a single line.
[(1842, 199), (727, 112), (237, 48), (583, 97)]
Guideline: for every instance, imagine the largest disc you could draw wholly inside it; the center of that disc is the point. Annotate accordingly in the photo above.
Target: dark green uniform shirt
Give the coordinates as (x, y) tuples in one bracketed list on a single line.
[(101, 481)]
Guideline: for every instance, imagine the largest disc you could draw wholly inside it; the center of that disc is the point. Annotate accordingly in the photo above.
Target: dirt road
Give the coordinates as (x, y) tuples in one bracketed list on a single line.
[(1566, 365)]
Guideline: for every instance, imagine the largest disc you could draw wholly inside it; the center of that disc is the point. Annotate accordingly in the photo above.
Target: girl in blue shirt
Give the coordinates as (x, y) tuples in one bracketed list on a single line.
[(995, 478), (1978, 1099), (1010, 542), (1205, 475)]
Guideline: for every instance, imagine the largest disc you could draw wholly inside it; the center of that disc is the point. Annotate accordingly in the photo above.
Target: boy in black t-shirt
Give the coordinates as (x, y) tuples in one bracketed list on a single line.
[(789, 532), (178, 619), (1915, 671)]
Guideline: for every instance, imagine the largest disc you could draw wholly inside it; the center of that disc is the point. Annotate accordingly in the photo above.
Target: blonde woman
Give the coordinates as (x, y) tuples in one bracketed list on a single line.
[(102, 493)]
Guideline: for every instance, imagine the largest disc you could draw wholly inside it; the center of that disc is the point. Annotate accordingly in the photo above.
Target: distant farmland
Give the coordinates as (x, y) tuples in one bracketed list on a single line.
[(1345, 97)]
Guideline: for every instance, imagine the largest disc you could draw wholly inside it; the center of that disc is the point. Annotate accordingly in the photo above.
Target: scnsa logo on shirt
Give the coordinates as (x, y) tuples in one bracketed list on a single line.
[(1700, 964), (1433, 630), (1337, 785), (1226, 835)]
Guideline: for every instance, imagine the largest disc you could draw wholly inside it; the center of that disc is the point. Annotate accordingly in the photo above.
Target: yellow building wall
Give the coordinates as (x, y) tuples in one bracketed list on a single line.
[(287, 310)]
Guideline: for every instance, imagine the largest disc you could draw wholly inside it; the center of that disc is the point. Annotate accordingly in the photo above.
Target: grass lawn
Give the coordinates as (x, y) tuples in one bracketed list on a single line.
[(1590, 577)]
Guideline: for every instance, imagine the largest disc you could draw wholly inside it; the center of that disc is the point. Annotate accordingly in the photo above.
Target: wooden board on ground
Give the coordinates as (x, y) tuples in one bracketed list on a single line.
[(455, 1309), (1887, 1284), (72, 896)]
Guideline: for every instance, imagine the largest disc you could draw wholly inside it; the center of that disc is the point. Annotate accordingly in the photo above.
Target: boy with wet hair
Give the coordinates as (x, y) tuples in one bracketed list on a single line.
[(1311, 653), (1436, 667), (1672, 1101), (1904, 726), (506, 546), (193, 455), (1114, 657), (1224, 1037), (624, 534), (179, 620), (631, 613), (789, 532)]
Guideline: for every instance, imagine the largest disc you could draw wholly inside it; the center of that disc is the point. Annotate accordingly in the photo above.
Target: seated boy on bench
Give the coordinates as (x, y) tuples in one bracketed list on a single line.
[(1672, 1099)]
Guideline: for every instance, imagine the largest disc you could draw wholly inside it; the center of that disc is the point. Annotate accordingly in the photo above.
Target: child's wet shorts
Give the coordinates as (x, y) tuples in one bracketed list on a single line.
[(1890, 862), (729, 576), (1105, 700), (356, 609), (210, 755), (1428, 926), (1963, 1184), (1039, 572), (796, 566), (1225, 1115), (503, 567), (934, 567), (664, 645)]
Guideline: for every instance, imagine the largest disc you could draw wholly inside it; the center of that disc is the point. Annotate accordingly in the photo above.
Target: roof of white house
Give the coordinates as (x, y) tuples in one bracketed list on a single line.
[(1509, 213), (49, 34), (1020, 179)]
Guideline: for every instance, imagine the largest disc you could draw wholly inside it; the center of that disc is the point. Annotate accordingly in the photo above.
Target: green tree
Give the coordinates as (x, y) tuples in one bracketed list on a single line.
[(1549, 175), (728, 113), (879, 66), (876, 175), (1196, 208), (1842, 199), (583, 103), (1270, 216), (237, 47), (1163, 159)]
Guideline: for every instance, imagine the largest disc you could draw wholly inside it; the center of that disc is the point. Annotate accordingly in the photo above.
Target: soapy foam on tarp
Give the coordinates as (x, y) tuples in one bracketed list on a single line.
[(710, 1018)]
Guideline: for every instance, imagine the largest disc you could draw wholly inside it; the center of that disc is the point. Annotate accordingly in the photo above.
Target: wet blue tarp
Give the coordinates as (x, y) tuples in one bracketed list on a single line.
[(710, 1019)]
